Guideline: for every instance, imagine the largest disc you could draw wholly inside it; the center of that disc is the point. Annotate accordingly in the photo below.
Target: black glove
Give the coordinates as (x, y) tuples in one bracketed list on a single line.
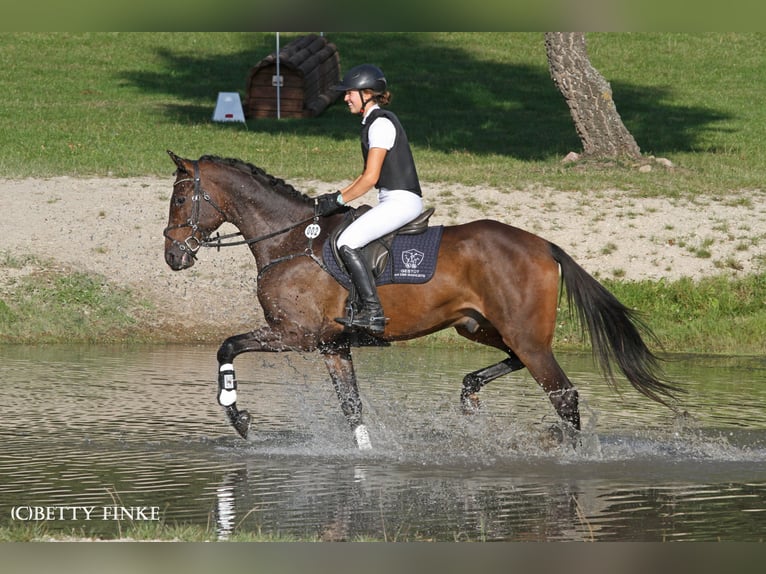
[(328, 203)]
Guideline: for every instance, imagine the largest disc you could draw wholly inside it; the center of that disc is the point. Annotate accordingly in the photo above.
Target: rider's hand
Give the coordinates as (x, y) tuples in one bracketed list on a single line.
[(328, 203)]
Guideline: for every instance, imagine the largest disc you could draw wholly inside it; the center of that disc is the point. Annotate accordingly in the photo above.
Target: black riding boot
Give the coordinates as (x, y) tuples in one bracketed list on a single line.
[(370, 316)]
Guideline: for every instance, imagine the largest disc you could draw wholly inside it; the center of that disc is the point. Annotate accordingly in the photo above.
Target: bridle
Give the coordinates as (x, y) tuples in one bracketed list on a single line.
[(192, 244)]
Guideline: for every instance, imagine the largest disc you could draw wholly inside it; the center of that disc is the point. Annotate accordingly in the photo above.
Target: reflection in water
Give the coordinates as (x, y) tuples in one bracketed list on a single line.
[(226, 507), (140, 427)]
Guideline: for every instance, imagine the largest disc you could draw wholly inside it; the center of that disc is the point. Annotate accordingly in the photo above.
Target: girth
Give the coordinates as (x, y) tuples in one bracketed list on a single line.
[(377, 252)]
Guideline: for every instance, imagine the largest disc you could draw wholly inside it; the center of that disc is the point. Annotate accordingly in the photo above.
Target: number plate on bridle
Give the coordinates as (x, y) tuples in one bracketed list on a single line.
[(312, 231)]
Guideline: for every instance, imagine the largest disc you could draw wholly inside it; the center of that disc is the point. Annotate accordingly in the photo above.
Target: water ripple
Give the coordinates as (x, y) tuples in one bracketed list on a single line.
[(139, 427)]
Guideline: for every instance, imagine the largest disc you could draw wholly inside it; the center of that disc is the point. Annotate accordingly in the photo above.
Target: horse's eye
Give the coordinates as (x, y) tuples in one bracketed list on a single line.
[(180, 200)]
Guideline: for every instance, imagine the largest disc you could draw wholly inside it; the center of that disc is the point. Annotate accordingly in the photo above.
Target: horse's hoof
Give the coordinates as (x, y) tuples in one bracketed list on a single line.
[(564, 434), (242, 423), (555, 434), (470, 404)]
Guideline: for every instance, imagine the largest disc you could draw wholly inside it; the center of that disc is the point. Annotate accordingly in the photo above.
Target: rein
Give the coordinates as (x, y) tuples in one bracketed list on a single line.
[(192, 245), (217, 240)]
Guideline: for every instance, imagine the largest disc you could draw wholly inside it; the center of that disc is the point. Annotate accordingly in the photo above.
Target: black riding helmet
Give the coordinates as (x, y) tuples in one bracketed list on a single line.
[(363, 77)]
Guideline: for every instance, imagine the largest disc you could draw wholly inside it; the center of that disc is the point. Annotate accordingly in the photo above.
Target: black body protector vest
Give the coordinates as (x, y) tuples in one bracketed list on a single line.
[(398, 170)]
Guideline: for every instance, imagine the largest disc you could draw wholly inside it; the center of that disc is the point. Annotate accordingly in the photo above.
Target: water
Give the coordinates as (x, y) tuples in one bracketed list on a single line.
[(135, 434)]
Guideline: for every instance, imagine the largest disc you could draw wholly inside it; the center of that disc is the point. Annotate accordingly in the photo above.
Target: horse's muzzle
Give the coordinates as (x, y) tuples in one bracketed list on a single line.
[(178, 259)]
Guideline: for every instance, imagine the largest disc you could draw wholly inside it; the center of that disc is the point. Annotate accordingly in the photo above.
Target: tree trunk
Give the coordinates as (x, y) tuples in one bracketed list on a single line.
[(589, 97)]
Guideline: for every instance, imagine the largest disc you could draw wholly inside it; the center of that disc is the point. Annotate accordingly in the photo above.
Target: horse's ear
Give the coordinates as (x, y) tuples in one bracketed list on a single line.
[(178, 161)]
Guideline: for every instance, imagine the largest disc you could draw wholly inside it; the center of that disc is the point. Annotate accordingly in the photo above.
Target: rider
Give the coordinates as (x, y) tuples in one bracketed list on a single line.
[(389, 166)]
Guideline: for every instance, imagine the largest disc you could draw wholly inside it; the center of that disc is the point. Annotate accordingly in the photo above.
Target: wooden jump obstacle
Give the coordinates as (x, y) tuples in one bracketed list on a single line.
[(309, 67)]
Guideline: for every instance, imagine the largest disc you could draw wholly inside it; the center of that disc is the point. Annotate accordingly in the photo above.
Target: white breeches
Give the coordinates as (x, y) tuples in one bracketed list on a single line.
[(395, 208)]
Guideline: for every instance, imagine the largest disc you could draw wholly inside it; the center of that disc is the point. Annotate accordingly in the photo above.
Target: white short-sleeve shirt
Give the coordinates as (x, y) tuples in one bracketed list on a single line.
[(382, 132)]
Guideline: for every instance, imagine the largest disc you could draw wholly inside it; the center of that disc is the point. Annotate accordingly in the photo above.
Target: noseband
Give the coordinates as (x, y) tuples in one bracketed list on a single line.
[(191, 244)]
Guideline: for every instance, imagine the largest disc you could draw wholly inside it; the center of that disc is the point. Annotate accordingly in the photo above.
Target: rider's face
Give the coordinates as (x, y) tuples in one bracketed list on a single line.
[(354, 101)]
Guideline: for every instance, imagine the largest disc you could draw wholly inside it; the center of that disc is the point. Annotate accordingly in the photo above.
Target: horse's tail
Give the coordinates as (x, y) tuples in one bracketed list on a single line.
[(614, 330)]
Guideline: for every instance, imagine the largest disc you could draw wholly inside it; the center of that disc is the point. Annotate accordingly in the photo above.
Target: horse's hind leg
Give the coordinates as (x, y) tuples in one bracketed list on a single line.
[(530, 350), (551, 377), (341, 368), (478, 329), (473, 382)]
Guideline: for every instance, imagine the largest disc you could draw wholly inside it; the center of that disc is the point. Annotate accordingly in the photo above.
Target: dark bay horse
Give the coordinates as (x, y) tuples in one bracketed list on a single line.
[(495, 284)]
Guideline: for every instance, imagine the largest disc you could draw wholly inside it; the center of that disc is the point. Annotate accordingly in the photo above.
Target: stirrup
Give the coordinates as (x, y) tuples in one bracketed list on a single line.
[(373, 325)]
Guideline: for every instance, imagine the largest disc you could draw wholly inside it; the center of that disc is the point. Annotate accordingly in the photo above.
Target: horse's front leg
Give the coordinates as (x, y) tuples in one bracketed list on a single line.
[(341, 368), (263, 339)]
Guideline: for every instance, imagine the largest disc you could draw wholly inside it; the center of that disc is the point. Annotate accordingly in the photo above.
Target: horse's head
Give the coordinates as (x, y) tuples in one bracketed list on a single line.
[(194, 214)]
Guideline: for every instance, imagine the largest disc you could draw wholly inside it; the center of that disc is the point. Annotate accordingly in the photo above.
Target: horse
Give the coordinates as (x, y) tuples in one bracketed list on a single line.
[(495, 284)]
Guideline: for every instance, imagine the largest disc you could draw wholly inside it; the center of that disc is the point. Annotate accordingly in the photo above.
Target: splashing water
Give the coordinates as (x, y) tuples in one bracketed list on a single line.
[(141, 426)]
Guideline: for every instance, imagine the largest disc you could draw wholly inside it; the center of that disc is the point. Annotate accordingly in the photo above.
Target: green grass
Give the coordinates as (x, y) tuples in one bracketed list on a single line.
[(159, 531), (53, 305), (480, 108), (138, 532), (713, 315)]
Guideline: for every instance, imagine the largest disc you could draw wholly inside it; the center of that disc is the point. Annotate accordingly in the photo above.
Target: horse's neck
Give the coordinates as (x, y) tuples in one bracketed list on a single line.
[(259, 213)]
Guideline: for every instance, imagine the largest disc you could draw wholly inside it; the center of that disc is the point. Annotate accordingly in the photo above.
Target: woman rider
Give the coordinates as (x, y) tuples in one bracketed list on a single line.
[(388, 166)]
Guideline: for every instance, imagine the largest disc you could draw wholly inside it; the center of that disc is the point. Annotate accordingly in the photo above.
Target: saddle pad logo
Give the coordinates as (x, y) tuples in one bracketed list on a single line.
[(412, 258)]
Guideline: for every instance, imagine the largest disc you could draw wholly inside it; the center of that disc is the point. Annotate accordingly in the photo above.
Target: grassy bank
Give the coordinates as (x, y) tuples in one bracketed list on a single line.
[(161, 532), (150, 532), (43, 303), (715, 315)]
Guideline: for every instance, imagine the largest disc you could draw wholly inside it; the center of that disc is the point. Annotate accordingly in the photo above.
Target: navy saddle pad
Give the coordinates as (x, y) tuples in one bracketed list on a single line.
[(412, 259)]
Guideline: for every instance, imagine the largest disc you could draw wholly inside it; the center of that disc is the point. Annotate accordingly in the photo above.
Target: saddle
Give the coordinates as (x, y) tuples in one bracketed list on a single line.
[(377, 253)]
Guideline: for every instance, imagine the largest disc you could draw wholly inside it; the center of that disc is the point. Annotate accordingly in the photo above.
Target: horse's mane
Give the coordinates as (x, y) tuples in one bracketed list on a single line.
[(259, 174)]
